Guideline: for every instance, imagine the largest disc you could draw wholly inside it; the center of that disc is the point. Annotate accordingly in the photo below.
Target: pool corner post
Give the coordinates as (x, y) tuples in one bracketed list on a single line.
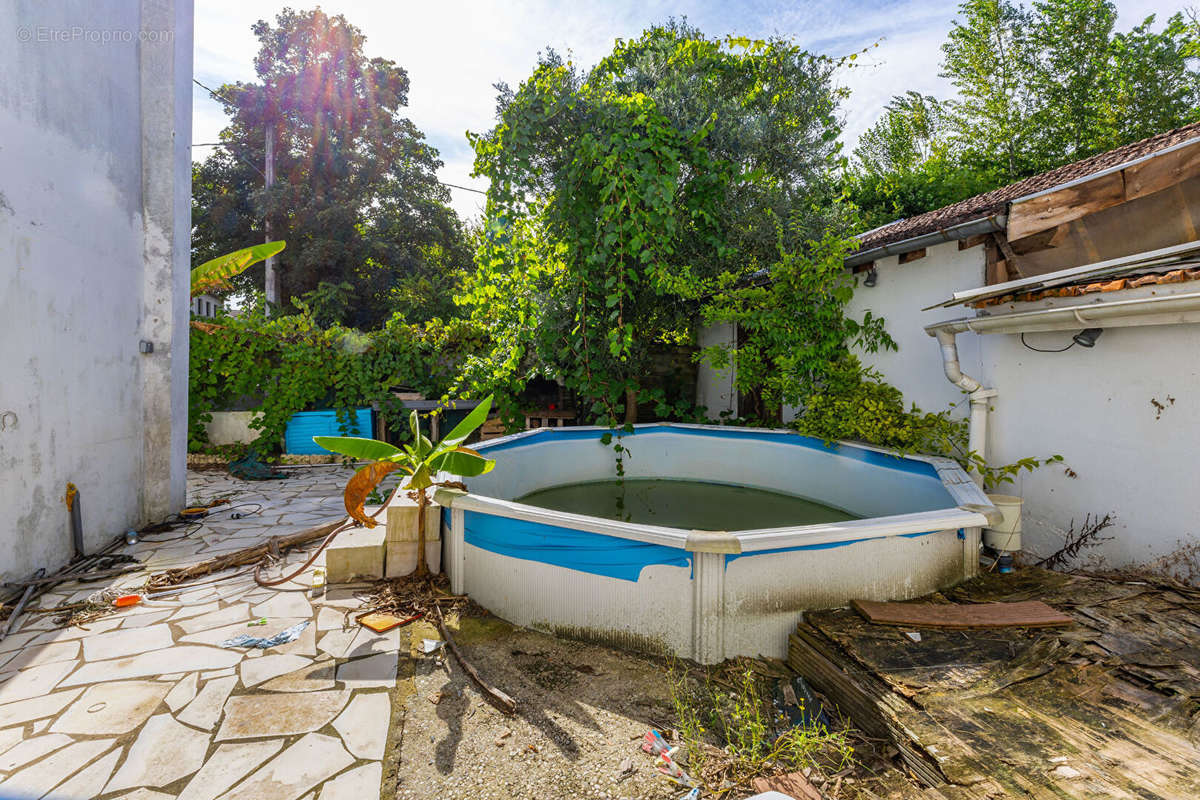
[(454, 539), (971, 540), (709, 549)]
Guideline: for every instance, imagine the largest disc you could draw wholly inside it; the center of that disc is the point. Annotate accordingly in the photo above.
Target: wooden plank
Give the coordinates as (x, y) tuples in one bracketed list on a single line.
[(1011, 263), (1024, 614), (862, 696), (972, 241), (994, 269), (1162, 172), (1065, 205), (793, 784), (1046, 240), (911, 255)]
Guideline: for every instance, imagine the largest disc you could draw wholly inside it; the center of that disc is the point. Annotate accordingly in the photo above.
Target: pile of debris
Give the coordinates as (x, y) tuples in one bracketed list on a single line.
[(1100, 701)]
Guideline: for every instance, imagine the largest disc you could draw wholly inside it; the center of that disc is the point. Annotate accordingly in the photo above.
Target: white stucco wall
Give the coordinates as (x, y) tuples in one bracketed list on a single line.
[(899, 294), (95, 124), (714, 387), (1093, 407)]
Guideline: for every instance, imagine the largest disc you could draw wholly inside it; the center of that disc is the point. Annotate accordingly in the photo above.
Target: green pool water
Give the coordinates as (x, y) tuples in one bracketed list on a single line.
[(697, 505)]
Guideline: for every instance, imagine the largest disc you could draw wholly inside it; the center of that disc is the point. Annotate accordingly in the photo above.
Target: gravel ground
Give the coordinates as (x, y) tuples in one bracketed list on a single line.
[(581, 712)]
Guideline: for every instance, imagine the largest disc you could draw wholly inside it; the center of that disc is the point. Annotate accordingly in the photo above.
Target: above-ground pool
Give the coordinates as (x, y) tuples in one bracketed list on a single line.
[(711, 543)]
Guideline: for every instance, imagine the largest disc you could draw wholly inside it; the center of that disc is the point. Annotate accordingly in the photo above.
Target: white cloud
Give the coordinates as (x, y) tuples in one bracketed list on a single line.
[(455, 51)]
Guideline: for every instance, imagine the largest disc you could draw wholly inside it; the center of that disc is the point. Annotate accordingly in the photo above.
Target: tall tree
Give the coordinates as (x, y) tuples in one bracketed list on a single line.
[(1154, 82), (355, 195), (989, 59), (1072, 41), (621, 197), (912, 129)]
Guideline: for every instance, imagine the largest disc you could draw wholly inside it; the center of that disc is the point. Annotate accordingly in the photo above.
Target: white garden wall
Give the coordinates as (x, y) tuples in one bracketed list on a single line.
[(95, 125)]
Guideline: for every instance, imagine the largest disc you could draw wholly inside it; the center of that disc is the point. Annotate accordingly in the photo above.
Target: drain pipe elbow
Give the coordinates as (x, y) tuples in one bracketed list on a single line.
[(978, 395), (954, 373)]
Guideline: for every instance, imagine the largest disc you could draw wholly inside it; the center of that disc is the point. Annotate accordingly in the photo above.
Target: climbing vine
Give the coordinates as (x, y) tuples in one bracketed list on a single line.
[(627, 199), (285, 364)]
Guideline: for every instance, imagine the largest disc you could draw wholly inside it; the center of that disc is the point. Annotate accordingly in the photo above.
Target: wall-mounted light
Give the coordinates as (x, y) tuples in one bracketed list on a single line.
[(872, 277), (1087, 337)]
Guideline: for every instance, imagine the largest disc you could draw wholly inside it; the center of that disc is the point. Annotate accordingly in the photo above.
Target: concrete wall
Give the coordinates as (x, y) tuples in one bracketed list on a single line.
[(95, 127), (899, 294), (714, 387), (1093, 407)]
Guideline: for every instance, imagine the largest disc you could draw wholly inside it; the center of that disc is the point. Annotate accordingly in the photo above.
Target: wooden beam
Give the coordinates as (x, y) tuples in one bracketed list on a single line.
[(864, 267), (1162, 172), (994, 271), (1053, 209), (1046, 240), (1012, 263), (911, 255), (972, 241)]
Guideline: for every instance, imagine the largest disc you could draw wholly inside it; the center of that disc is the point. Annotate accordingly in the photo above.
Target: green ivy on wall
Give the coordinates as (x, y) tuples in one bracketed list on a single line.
[(286, 364)]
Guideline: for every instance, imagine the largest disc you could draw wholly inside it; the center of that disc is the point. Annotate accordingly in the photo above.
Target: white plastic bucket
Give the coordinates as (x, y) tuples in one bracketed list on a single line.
[(1005, 536)]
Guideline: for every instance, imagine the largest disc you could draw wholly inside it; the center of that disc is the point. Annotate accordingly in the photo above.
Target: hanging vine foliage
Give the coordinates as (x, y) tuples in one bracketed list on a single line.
[(632, 202), (282, 365)]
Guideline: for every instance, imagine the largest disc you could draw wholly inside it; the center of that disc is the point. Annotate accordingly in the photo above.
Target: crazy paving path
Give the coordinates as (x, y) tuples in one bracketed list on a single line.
[(146, 704)]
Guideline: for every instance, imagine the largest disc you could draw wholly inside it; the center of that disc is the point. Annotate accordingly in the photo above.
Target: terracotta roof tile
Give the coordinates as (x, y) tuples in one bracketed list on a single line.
[(1127, 282), (996, 201)]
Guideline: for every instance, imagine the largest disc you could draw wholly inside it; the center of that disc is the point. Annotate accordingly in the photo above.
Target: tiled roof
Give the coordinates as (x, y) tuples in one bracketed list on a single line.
[(1091, 287), (996, 201)]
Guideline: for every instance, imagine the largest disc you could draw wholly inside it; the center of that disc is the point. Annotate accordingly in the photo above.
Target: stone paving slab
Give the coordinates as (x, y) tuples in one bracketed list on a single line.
[(144, 704)]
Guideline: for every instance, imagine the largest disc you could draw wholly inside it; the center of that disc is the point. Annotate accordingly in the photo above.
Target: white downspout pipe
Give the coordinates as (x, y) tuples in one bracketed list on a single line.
[(978, 395)]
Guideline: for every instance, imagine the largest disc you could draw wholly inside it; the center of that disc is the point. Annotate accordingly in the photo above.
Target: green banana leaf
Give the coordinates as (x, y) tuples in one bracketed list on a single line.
[(358, 448), (215, 273)]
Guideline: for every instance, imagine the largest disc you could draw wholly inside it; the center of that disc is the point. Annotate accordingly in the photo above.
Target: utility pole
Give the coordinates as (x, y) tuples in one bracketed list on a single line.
[(272, 280)]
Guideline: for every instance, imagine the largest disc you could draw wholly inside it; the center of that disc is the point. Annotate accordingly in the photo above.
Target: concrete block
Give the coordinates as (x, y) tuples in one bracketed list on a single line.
[(355, 553), (401, 557), (402, 520)]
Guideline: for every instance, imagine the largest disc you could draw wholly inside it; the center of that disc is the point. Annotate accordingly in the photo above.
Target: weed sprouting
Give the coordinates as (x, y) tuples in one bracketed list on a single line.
[(730, 734)]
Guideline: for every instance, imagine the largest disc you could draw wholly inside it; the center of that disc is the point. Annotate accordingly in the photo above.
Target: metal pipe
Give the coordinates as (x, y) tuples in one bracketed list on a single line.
[(1158, 310), (979, 397), (989, 224), (73, 506)]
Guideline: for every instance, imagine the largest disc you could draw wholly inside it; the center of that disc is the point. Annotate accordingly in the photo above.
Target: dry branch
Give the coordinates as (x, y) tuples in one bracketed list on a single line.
[(498, 698), (238, 558)]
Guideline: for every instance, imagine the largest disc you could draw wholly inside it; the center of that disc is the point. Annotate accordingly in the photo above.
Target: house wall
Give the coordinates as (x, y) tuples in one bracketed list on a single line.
[(1093, 407), (95, 127), (899, 294)]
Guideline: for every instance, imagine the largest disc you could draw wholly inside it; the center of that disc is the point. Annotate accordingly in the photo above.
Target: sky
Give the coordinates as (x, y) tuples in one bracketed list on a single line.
[(456, 51)]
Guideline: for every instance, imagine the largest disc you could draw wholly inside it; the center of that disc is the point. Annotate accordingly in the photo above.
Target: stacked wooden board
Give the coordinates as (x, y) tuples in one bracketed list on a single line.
[(1107, 707)]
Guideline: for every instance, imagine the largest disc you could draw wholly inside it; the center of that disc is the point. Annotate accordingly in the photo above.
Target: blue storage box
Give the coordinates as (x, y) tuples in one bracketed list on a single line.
[(302, 427)]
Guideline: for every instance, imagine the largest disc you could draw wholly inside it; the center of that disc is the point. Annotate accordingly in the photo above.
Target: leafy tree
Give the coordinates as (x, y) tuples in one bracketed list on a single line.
[(355, 195), (1154, 84), (1037, 88), (622, 197), (1069, 78), (911, 131), (989, 59)]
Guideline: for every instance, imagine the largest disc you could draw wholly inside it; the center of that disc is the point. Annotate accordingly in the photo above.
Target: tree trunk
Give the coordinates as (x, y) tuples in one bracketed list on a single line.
[(422, 503), (630, 405)]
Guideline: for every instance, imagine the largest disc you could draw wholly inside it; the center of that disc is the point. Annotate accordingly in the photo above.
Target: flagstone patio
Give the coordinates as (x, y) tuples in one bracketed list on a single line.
[(146, 704)]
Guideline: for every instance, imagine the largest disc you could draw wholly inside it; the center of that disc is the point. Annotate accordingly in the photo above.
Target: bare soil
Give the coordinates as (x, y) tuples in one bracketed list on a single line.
[(581, 712)]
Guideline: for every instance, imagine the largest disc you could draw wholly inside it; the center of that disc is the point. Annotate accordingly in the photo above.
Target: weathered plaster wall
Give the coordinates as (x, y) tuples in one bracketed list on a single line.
[(899, 294), (95, 122), (714, 387), (1093, 407)]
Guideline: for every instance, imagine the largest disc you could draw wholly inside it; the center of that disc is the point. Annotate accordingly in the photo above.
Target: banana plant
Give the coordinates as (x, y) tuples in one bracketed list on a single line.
[(215, 273), (421, 460)]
